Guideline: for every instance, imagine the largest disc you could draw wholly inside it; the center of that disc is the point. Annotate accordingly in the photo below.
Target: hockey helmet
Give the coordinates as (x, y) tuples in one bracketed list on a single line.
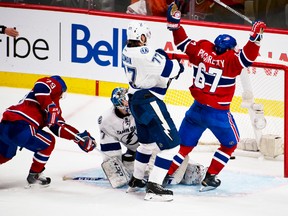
[(118, 97), (61, 81), (223, 43), (136, 29)]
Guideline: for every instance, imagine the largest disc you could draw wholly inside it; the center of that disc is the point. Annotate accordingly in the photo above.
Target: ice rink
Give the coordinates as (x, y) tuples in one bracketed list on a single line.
[(250, 185)]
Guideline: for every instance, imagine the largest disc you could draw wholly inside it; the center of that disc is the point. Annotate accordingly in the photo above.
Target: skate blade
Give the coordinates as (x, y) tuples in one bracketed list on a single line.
[(158, 198), (34, 186), (132, 189), (206, 188)]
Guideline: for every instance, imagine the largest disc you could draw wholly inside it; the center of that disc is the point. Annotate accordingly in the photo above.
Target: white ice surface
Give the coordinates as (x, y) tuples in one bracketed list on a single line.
[(262, 190)]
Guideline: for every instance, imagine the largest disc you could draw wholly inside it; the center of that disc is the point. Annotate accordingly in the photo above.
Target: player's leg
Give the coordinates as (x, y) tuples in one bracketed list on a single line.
[(190, 132), (142, 157), (7, 148), (7, 152), (154, 189), (163, 130), (225, 130), (154, 124), (20, 133), (42, 143)]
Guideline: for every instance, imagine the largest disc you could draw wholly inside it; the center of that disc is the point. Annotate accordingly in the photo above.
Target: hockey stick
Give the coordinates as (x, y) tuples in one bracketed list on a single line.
[(83, 178), (80, 138), (233, 11), (77, 136)]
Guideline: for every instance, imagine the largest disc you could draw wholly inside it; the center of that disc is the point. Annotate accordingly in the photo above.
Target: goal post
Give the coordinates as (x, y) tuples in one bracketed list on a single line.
[(281, 67), (259, 105)]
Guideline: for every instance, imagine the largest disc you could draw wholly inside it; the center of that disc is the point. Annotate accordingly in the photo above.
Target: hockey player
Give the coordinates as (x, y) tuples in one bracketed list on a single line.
[(117, 126), (23, 124), (215, 67), (149, 73)]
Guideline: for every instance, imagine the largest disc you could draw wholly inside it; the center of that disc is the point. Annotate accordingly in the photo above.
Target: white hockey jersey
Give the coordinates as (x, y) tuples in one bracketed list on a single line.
[(146, 68), (115, 131)]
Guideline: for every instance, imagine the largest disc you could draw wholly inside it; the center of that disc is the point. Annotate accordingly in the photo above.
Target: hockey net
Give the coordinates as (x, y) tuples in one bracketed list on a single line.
[(259, 108)]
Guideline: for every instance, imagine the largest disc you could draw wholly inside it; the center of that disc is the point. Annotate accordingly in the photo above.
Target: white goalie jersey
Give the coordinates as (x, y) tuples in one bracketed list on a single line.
[(115, 131)]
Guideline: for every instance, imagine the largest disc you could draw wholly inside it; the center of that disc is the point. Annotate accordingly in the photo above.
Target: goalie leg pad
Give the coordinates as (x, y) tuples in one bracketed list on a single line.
[(194, 174), (178, 174), (116, 172)]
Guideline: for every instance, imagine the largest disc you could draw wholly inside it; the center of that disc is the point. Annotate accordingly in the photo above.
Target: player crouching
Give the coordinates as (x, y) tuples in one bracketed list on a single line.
[(23, 126)]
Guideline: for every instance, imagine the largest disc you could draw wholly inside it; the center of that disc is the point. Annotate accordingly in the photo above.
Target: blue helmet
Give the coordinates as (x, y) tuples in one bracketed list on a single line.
[(223, 43), (61, 81), (118, 96)]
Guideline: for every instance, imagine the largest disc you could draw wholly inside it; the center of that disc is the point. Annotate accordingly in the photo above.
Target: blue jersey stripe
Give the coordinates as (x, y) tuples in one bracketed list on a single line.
[(245, 61), (167, 68), (182, 46), (162, 163), (221, 157), (110, 146), (41, 158), (143, 158), (209, 79)]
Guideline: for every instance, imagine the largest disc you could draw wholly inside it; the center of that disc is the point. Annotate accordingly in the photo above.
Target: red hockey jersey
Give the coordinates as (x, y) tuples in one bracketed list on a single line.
[(214, 76), (33, 107)]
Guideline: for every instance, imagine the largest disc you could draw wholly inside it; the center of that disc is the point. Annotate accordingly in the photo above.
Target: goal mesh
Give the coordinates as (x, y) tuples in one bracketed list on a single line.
[(267, 80)]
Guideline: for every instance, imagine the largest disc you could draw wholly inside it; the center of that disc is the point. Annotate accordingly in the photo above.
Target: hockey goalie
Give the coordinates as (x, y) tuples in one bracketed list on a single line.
[(117, 130)]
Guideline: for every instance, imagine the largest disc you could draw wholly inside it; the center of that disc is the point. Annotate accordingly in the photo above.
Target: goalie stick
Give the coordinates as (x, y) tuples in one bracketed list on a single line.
[(82, 178), (233, 11)]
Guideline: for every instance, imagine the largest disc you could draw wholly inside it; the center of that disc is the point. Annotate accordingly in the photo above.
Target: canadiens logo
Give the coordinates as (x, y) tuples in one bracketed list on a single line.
[(177, 15)]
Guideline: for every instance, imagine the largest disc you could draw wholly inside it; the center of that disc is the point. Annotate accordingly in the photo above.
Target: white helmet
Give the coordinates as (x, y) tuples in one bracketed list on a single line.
[(136, 29)]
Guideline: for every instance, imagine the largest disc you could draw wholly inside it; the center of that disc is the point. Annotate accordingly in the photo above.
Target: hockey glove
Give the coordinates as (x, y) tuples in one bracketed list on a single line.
[(173, 17), (180, 71), (257, 30), (53, 113), (87, 142)]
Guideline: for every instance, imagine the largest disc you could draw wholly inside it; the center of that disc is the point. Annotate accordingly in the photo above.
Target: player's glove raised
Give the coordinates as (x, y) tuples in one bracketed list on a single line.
[(173, 17), (257, 30), (53, 112), (87, 143)]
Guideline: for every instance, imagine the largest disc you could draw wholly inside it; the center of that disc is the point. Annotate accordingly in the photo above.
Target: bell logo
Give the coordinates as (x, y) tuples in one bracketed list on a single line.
[(103, 52)]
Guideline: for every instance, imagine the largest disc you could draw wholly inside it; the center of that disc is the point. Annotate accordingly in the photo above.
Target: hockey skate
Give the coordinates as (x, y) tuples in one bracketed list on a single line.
[(168, 180), (210, 182), (156, 192), (37, 180), (135, 184)]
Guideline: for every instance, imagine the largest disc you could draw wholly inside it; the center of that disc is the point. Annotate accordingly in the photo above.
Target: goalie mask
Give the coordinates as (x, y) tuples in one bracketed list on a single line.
[(136, 29), (223, 43), (119, 99)]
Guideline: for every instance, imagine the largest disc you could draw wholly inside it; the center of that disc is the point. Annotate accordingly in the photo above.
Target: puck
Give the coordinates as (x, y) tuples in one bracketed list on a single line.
[(232, 157)]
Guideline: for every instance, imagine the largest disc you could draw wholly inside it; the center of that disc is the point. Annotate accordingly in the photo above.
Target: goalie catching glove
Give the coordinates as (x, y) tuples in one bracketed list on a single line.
[(173, 17), (257, 30), (85, 141)]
